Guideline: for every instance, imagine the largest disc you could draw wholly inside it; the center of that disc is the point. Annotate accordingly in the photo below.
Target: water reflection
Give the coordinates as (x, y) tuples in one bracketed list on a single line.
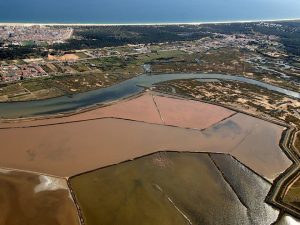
[(174, 188), (124, 89), (287, 220)]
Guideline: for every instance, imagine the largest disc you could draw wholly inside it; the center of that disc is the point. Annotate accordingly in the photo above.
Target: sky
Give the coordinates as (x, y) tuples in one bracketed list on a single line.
[(126, 11)]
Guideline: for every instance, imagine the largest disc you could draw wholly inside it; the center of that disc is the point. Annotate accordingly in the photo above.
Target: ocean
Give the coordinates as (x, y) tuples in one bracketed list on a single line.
[(145, 11)]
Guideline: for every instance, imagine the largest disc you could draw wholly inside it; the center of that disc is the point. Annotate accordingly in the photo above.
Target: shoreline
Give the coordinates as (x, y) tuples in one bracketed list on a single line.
[(145, 24)]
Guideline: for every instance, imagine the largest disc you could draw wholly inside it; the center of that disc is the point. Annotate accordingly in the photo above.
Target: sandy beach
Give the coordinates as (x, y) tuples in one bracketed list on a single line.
[(141, 24)]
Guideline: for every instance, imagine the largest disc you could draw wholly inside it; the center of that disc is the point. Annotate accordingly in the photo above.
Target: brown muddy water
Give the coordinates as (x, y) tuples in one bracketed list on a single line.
[(141, 108), (260, 147), (292, 195), (190, 114), (174, 188), (31, 199), (72, 148), (146, 108)]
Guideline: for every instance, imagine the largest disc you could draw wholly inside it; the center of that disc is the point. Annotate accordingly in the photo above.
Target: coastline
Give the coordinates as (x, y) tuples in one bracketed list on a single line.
[(279, 187), (146, 24)]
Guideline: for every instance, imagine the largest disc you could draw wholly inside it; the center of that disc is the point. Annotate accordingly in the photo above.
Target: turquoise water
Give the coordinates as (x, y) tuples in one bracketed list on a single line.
[(124, 89), (145, 11)]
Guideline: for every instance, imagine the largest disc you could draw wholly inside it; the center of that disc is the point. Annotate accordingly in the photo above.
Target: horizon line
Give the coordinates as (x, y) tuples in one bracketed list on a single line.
[(144, 24)]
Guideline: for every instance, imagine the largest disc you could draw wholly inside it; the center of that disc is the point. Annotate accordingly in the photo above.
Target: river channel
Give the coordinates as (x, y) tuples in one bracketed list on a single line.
[(115, 92)]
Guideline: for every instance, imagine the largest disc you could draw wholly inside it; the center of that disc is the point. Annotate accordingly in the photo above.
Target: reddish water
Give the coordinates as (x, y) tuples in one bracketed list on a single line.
[(72, 148), (183, 113), (190, 114)]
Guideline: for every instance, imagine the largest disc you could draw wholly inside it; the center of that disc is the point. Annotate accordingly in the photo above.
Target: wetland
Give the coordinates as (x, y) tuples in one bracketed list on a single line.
[(32, 199), (174, 188)]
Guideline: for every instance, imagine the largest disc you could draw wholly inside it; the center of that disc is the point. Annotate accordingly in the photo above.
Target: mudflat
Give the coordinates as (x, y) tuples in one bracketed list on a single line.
[(26, 200)]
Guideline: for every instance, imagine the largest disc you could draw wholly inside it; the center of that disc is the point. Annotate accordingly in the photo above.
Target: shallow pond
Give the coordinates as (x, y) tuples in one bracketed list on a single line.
[(174, 188)]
